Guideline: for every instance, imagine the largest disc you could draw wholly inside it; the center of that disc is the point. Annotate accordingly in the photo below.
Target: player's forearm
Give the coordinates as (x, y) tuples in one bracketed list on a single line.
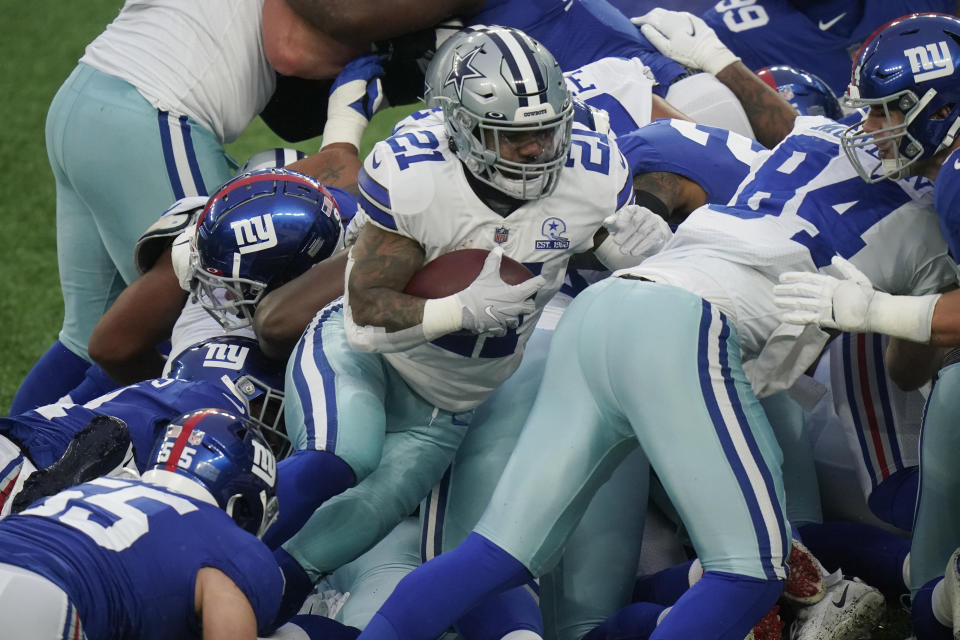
[(335, 165), (369, 20), (945, 325), (770, 115), (285, 312), (679, 195), (910, 364)]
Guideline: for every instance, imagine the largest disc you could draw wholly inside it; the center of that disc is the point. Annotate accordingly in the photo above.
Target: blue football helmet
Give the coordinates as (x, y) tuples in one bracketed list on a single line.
[(805, 92), (499, 88), (259, 231), (910, 66), (237, 363), (222, 459)]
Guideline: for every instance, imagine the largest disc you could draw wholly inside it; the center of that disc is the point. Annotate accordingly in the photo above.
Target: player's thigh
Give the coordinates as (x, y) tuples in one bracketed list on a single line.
[(596, 574), (568, 447), (89, 280), (799, 470), (33, 607), (681, 384), (334, 395), (936, 529), (455, 505), (128, 161)]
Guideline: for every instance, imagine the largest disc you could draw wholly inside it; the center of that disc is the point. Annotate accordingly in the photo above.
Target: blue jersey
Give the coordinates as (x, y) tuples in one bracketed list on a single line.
[(127, 555), (821, 38), (578, 32), (146, 407), (716, 159), (946, 200)]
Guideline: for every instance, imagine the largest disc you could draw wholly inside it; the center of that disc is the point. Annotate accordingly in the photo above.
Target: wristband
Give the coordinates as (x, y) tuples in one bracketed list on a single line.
[(907, 317), (442, 316), (347, 126)]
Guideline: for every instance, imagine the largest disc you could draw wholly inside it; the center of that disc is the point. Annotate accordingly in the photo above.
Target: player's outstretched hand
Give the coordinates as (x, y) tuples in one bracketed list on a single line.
[(490, 305), (850, 303), (637, 230), (686, 38), (835, 303), (355, 97)]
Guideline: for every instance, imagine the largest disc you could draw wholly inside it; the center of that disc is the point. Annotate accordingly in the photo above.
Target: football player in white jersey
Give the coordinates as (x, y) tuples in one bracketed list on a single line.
[(168, 80), (383, 384), (907, 78), (704, 309)]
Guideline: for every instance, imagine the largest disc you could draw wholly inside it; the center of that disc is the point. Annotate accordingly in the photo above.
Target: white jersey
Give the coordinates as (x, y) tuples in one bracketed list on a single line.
[(413, 185), (622, 87), (800, 206), (195, 325), (204, 60)]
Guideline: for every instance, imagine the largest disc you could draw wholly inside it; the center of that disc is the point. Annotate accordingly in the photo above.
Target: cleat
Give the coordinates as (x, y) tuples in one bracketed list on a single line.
[(96, 450), (805, 584), (849, 610), (951, 585), (769, 627)]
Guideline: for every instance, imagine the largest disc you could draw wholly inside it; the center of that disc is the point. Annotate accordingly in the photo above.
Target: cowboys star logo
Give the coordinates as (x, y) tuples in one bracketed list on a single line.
[(462, 70)]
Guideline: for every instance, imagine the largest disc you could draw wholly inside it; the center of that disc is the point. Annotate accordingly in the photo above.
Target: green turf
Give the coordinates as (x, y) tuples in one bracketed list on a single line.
[(40, 43)]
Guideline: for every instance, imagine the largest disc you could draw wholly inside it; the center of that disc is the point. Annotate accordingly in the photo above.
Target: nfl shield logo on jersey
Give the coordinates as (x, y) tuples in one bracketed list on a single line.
[(501, 234)]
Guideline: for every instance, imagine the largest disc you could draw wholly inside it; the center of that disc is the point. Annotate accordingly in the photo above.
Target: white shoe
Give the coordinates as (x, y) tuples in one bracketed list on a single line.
[(324, 603), (951, 585), (849, 610)]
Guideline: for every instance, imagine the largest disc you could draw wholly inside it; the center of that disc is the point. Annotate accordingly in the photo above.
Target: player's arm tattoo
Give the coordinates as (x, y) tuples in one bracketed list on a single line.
[(383, 264), (770, 115)]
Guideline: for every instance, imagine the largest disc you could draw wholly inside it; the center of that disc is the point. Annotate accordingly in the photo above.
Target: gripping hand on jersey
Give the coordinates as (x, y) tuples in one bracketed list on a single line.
[(355, 97), (851, 304), (488, 305), (637, 231), (686, 38)]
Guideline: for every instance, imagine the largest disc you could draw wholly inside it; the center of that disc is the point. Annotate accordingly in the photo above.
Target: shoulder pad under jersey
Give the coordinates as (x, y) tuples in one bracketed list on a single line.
[(168, 226)]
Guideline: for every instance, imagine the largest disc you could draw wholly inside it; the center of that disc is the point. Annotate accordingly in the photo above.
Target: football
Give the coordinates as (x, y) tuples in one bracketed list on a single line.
[(454, 271)]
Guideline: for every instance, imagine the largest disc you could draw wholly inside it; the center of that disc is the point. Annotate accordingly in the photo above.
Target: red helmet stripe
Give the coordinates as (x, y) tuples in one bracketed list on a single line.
[(290, 176), (181, 441)]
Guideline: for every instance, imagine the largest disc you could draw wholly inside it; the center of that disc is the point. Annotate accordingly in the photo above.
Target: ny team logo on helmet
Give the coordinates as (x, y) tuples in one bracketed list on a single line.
[(908, 67), (237, 363), (259, 231), (499, 88), (805, 92), (220, 458)]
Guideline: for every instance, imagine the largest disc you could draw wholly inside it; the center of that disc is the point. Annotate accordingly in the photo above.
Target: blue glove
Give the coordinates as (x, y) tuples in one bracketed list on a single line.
[(355, 96)]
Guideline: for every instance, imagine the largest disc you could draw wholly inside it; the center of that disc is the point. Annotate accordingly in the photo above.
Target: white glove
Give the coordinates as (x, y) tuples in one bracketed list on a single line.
[(637, 230), (489, 305), (686, 38), (851, 304), (180, 255), (355, 97)]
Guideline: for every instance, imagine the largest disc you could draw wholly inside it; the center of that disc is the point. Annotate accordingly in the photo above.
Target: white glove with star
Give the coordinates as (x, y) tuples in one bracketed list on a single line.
[(851, 304), (637, 230), (686, 38)]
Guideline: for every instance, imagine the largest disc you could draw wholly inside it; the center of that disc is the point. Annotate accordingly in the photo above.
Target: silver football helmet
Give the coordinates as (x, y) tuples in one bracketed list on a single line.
[(506, 107)]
